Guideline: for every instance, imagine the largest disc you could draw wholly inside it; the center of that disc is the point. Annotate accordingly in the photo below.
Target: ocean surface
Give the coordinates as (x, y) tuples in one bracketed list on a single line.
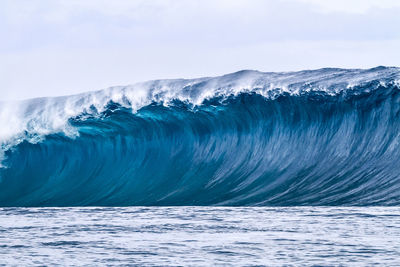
[(249, 168), (200, 236)]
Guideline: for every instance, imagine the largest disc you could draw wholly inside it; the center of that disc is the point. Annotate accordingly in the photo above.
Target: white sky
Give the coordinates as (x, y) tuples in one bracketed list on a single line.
[(59, 47)]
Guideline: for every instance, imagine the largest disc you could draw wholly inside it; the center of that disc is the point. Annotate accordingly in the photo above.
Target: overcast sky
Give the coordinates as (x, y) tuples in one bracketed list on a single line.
[(60, 47)]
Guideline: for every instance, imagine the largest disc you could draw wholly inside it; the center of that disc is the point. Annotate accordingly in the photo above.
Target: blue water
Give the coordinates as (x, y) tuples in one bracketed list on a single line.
[(249, 168), (200, 236), (325, 137)]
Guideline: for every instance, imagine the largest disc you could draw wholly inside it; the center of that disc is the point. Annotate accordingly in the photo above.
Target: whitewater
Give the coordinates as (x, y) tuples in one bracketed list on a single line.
[(309, 138)]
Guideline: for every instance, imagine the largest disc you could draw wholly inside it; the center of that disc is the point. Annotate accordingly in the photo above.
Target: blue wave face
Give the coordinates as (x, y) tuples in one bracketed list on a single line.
[(310, 148)]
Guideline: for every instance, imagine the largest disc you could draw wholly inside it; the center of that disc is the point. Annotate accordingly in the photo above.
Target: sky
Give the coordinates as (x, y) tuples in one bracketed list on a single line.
[(63, 47)]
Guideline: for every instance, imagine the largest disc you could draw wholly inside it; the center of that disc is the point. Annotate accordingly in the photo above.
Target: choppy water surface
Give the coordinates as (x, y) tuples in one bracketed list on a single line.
[(200, 236)]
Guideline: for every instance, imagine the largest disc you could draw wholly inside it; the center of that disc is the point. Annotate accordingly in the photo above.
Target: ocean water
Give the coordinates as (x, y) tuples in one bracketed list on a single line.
[(249, 168), (200, 236), (325, 137)]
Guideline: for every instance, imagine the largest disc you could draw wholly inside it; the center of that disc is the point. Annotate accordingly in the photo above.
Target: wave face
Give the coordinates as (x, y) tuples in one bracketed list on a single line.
[(322, 137)]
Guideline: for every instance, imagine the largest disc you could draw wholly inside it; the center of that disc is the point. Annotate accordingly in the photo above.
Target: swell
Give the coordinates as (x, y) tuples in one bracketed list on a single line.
[(312, 148)]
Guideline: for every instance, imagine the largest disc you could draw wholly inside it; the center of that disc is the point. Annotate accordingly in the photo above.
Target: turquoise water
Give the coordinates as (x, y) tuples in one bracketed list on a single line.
[(304, 157), (200, 236), (328, 137)]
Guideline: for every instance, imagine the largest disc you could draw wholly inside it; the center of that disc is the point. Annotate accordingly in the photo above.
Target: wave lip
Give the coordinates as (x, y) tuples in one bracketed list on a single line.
[(319, 137)]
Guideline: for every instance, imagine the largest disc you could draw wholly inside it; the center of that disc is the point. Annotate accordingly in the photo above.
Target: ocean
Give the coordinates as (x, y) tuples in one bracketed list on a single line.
[(249, 168), (200, 236)]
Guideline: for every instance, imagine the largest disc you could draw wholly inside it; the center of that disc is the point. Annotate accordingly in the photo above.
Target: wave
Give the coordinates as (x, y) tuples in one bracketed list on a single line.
[(319, 137)]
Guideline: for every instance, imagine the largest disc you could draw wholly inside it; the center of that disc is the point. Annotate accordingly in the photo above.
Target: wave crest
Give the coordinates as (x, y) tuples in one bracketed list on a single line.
[(245, 146)]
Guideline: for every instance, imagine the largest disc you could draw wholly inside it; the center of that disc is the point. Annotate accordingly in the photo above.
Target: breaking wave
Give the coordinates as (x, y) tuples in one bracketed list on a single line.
[(320, 137)]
